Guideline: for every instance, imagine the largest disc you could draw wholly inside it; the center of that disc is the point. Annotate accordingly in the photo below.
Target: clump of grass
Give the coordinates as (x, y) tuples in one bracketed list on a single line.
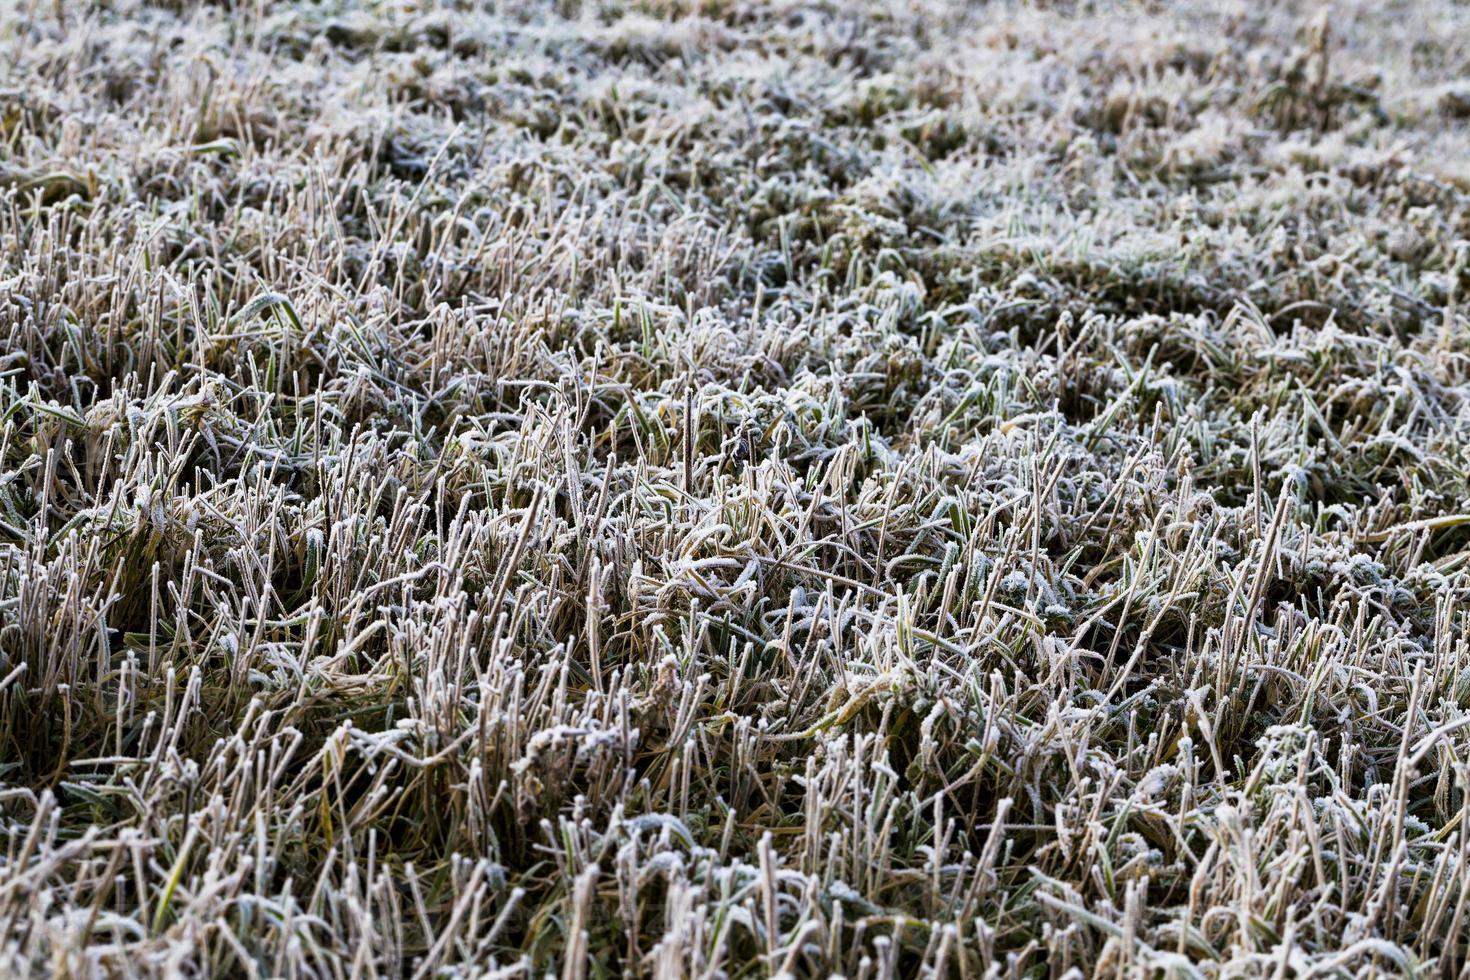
[(733, 488)]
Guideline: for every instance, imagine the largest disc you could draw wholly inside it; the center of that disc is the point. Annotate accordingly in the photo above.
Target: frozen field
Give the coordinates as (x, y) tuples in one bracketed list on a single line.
[(726, 489)]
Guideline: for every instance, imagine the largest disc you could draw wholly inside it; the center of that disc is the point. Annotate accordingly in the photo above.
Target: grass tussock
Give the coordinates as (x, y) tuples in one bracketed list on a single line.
[(732, 488)]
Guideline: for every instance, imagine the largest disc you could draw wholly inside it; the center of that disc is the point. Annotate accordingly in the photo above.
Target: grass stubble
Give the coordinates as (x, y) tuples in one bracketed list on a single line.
[(889, 489)]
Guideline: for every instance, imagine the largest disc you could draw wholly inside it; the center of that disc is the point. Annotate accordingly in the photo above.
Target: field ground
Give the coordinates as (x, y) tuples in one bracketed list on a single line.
[(733, 488)]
